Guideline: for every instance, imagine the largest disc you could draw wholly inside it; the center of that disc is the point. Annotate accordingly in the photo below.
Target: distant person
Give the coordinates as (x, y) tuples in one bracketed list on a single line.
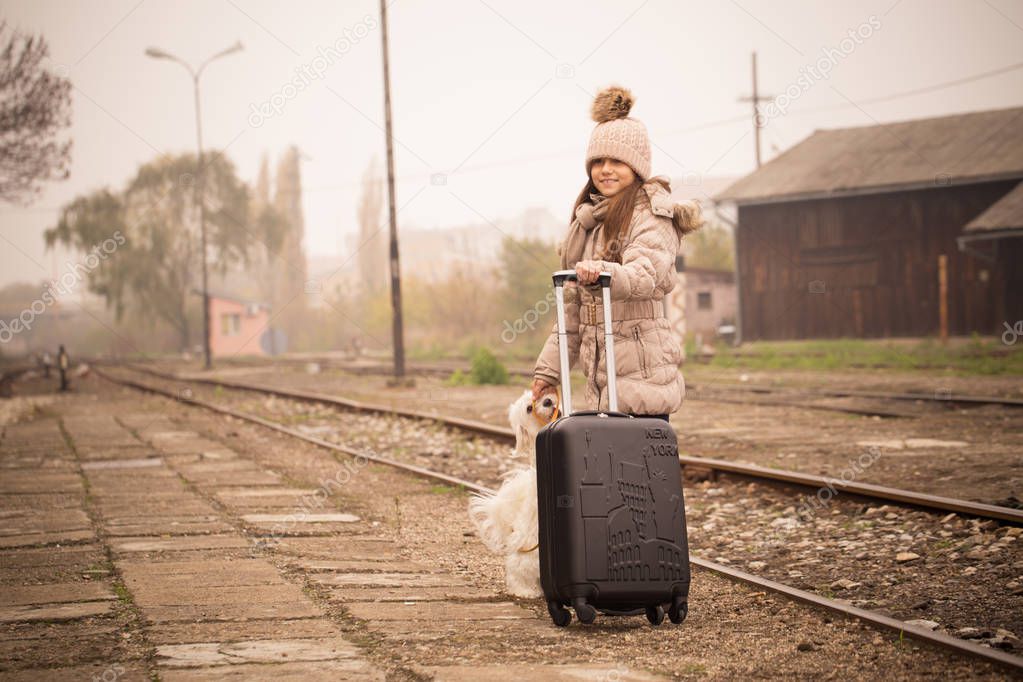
[(47, 363), (63, 364), (623, 222)]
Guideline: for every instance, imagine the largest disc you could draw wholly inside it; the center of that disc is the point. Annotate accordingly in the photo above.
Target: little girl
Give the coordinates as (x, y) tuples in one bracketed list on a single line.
[(623, 222)]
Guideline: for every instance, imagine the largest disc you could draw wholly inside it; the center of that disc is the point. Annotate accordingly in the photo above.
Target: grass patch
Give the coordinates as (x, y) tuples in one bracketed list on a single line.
[(441, 489), (486, 369), (122, 593), (976, 356)]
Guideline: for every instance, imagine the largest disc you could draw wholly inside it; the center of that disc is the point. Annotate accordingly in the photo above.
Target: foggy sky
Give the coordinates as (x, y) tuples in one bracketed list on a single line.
[(494, 95)]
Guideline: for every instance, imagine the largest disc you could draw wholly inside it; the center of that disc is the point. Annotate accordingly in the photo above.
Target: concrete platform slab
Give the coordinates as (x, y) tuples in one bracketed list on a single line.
[(134, 463), (205, 467), (25, 558), (254, 651), (57, 537), (15, 614), (412, 594), (406, 580), (155, 594), (537, 673), (278, 672), (35, 481), (186, 542), (299, 518), (213, 568), (55, 593), (22, 522), (230, 612), (168, 528), (122, 672), (201, 515), (362, 548), (186, 633), (439, 611), (265, 492), (239, 478), (359, 566)]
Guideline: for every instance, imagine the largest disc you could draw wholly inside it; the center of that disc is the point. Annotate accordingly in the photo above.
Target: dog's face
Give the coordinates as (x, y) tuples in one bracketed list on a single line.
[(545, 410), (527, 417)]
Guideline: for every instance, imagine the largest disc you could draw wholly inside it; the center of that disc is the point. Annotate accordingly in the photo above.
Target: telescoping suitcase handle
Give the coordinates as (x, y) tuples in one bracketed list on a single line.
[(560, 277)]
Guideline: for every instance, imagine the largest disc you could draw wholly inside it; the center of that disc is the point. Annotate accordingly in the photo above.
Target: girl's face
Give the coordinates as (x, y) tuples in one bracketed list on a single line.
[(610, 176)]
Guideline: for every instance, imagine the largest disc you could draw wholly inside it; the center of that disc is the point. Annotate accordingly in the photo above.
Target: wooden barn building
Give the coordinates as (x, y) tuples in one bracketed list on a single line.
[(844, 234)]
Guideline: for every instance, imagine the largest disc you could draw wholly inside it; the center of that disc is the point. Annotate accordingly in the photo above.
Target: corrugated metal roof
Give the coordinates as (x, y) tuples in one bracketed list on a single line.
[(1004, 214), (930, 152)]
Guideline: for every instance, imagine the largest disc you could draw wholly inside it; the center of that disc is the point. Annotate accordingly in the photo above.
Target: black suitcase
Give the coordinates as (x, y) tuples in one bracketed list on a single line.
[(611, 512)]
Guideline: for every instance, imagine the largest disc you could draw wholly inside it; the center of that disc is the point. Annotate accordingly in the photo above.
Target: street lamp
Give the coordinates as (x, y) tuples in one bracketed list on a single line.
[(157, 53)]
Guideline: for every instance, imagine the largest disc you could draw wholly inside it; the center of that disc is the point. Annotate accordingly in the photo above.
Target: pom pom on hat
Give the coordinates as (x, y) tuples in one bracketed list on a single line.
[(616, 135), (611, 103)]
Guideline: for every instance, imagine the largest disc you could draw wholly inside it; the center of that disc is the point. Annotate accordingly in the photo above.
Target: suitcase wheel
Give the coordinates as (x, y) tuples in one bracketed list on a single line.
[(559, 614), (679, 609), (655, 614), (583, 611)]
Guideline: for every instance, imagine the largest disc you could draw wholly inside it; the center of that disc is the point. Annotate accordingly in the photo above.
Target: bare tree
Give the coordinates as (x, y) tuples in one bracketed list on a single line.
[(35, 106), (372, 243)]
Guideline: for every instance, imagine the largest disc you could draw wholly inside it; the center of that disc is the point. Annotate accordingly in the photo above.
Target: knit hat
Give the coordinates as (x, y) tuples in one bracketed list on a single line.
[(617, 136)]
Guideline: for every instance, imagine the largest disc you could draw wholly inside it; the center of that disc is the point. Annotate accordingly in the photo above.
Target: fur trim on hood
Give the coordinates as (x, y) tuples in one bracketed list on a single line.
[(687, 215)]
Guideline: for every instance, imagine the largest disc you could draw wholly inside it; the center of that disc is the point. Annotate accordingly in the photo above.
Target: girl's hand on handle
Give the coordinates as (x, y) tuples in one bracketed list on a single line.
[(541, 387), (588, 271)]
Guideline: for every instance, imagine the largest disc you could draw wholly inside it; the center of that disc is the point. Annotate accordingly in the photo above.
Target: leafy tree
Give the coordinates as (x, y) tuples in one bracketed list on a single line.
[(268, 228), (289, 302), (527, 307), (157, 266), (373, 242), (526, 267), (35, 106), (711, 247)]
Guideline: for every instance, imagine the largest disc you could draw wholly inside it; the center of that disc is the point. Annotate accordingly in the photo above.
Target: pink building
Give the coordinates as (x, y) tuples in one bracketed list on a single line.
[(711, 300), (237, 326)]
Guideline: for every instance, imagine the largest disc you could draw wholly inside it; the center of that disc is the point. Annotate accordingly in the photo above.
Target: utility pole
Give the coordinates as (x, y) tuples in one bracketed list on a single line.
[(758, 123), (398, 336), (157, 53), (758, 119)]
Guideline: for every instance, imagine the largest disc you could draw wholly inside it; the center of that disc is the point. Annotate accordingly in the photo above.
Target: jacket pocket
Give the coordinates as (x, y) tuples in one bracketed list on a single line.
[(637, 336)]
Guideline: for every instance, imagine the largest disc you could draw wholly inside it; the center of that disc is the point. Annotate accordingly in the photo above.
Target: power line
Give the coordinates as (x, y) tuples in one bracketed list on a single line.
[(917, 91), (679, 131)]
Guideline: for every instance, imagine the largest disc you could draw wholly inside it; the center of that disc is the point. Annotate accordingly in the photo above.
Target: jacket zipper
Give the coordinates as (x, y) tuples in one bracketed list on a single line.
[(596, 363), (642, 351)]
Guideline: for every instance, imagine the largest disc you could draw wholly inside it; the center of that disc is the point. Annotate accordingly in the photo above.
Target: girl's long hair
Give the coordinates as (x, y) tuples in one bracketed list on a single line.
[(619, 215)]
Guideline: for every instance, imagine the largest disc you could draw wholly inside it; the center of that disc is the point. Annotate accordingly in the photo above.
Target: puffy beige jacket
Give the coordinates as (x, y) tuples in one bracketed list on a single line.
[(647, 350)]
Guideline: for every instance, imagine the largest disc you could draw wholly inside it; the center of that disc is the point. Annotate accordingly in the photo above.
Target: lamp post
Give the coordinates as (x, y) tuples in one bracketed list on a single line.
[(157, 53)]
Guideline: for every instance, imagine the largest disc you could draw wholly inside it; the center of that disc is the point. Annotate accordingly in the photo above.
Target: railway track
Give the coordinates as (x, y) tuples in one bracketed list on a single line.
[(878, 620), (782, 396), (940, 397), (935, 503), (444, 369)]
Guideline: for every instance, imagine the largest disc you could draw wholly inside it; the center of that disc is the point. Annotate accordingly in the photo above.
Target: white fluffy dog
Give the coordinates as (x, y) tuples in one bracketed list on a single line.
[(506, 521)]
